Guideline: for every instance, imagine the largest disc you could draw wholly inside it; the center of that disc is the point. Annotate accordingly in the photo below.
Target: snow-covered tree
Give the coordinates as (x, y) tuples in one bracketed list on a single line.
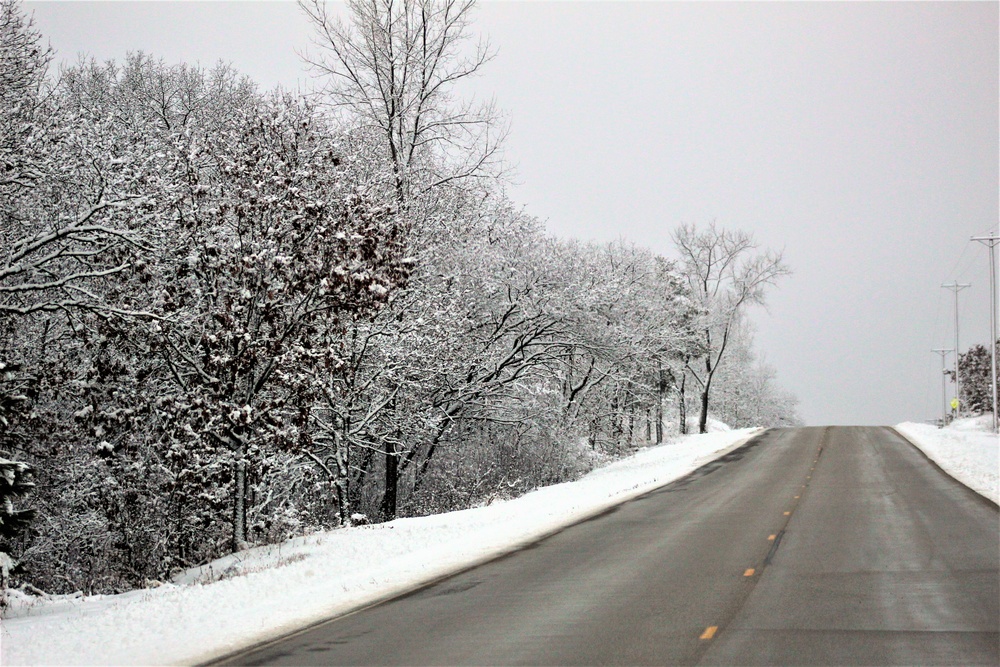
[(24, 61), (262, 246), (61, 239), (545, 342), (272, 251), (726, 274), (976, 366), (69, 187)]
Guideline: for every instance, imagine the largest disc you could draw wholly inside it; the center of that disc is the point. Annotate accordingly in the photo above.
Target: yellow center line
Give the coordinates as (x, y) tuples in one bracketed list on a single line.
[(709, 632), (749, 572)]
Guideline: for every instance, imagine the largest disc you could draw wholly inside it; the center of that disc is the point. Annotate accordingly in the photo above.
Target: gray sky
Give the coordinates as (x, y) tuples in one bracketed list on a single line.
[(860, 137)]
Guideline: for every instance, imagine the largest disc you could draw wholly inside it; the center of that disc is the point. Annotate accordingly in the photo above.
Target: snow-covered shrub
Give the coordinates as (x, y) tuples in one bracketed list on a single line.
[(487, 462)]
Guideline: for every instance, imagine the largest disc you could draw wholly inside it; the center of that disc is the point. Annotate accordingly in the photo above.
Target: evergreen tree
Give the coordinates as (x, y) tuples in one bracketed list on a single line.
[(974, 367), (15, 481)]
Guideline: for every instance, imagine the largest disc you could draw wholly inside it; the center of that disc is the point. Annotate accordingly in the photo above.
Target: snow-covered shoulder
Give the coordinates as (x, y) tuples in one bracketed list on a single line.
[(966, 449), (265, 592)]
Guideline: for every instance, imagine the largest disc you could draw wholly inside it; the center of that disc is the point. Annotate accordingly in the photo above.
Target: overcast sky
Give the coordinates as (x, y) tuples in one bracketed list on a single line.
[(862, 138)]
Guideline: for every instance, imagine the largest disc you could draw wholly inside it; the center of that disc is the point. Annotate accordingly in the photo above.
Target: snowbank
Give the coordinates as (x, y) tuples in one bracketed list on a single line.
[(268, 591), (966, 449)]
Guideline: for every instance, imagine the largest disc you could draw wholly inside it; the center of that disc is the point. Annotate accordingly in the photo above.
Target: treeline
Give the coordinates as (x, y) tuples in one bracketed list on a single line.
[(229, 317)]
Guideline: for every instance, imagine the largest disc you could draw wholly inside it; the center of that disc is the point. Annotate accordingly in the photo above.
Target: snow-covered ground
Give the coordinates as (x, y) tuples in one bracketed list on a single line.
[(966, 449), (267, 591)]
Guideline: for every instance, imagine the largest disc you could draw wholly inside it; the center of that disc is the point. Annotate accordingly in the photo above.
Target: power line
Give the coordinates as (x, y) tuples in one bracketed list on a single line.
[(958, 261), (970, 262)]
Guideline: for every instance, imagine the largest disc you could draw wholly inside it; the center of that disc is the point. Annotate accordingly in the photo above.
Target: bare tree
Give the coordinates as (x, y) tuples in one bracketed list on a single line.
[(726, 273), (391, 65)]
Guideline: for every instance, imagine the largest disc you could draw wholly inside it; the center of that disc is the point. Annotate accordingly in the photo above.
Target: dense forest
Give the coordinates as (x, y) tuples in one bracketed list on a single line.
[(231, 316)]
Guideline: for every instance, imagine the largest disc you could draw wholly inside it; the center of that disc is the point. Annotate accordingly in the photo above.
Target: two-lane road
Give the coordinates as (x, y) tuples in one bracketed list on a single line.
[(822, 546)]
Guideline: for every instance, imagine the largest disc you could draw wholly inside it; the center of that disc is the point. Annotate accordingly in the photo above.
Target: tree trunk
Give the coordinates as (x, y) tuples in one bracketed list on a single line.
[(659, 418), (682, 406), (240, 503), (631, 417), (568, 379), (388, 509), (703, 419), (616, 420), (389, 496), (631, 423), (342, 483), (361, 477)]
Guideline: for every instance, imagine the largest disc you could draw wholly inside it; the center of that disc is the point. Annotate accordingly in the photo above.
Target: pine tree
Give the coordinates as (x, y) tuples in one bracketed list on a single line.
[(974, 366), (15, 481)]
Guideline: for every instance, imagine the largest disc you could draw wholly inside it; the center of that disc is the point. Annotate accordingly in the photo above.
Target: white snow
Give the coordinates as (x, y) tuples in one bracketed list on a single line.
[(966, 449), (265, 592)]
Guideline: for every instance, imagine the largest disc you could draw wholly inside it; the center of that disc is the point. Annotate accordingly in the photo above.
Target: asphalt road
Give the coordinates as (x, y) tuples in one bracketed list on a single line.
[(813, 546)]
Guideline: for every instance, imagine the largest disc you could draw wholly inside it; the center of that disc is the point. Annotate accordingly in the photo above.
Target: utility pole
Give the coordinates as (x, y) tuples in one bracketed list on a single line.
[(956, 288), (992, 241), (944, 393)]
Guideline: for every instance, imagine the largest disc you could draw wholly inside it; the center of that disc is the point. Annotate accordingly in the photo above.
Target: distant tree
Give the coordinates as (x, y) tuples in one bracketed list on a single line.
[(726, 274), (975, 365), (633, 314), (746, 391)]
